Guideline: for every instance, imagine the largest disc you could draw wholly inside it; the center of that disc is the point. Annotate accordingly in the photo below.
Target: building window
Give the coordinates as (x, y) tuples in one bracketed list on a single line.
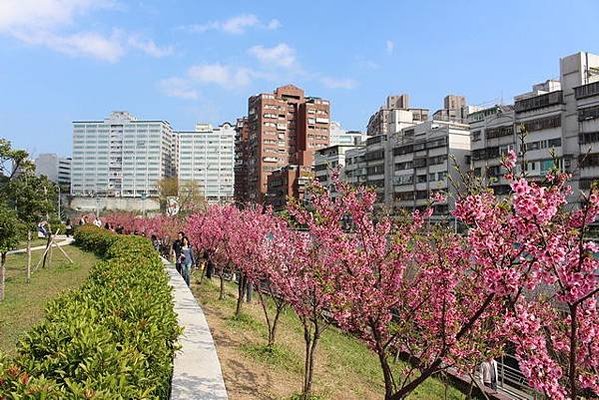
[(585, 114)]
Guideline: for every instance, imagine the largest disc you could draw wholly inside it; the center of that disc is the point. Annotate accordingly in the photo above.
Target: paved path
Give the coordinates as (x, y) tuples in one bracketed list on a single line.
[(196, 373), (63, 242)]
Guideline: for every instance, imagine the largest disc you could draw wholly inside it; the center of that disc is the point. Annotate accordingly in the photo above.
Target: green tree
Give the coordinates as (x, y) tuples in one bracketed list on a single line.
[(12, 162), (10, 232), (167, 187), (190, 198), (33, 199)]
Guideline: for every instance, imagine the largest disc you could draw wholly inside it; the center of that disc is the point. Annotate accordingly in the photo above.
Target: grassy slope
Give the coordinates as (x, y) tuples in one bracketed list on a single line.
[(346, 369), (24, 303)]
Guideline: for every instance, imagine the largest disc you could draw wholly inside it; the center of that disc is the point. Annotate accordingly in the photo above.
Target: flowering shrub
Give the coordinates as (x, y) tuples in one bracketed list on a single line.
[(114, 337)]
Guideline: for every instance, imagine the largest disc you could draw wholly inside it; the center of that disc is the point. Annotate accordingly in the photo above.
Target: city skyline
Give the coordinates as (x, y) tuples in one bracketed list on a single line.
[(194, 63)]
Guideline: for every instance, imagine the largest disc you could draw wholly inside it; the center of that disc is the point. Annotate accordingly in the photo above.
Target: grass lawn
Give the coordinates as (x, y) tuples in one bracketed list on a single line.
[(345, 367), (24, 303), (34, 242)]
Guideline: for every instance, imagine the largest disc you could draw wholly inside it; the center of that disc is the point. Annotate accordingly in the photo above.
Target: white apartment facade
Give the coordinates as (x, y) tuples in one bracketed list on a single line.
[(121, 156), (355, 166), (340, 136), (207, 157), (330, 159), (57, 169), (560, 119), (423, 160)]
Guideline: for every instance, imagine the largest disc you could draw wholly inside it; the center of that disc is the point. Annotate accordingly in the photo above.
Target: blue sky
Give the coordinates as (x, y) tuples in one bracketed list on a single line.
[(190, 60)]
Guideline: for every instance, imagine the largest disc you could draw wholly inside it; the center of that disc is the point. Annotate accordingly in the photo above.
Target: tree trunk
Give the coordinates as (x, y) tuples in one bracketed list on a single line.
[(311, 342), (2, 274), (221, 295), (272, 324), (381, 351), (573, 345), (240, 294), (387, 373), (407, 389), (273, 330), (28, 255), (49, 250)]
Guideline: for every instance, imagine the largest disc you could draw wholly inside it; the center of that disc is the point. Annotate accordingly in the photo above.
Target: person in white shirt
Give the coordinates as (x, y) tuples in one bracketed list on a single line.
[(97, 222), (488, 373)]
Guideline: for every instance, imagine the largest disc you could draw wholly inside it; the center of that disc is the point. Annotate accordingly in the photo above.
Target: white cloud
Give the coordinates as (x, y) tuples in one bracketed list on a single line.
[(149, 47), (44, 14), (42, 23), (178, 87), (273, 24), (280, 55), (82, 43), (389, 46), (226, 76), (335, 83), (235, 25)]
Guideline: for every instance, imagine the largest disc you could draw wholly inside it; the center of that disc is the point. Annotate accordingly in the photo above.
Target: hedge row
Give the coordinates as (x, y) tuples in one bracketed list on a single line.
[(114, 338)]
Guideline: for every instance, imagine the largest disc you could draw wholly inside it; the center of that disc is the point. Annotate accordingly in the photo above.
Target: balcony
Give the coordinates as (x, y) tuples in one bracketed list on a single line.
[(588, 90), (542, 101)]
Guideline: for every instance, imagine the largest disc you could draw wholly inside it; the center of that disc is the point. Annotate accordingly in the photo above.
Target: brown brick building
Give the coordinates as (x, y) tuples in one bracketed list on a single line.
[(283, 128), (242, 151), (289, 181)]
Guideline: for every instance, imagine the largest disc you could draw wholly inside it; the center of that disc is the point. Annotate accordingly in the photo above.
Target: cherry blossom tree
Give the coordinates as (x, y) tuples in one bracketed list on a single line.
[(210, 232), (312, 276)]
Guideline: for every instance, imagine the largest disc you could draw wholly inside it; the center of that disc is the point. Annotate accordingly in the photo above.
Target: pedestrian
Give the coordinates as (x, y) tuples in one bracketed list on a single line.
[(165, 246), (68, 228), (42, 230), (83, 220), (488, 373), (209, 265), (177, 244), (98, 222), (155, 242), (187, 260)]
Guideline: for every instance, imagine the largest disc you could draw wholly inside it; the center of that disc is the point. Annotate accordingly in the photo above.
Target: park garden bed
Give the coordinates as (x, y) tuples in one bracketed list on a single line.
[(345, 368), (114, 337)]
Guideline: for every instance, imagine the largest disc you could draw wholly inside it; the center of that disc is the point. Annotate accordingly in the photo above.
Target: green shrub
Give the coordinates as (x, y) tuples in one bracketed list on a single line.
[(114, 338)]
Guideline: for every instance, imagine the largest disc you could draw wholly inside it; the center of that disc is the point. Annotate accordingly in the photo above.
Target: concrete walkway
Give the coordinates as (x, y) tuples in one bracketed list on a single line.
[(196, 373), (60, 240)]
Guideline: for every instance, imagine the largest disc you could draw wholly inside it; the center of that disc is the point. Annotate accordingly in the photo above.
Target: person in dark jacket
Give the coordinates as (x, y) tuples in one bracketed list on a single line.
[(187, 260), (177, 244)]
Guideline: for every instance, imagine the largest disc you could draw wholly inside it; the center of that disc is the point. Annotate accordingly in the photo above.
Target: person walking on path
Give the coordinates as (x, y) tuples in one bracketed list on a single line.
[(68, 228), (488, 373), (187, 260), (177, 244)]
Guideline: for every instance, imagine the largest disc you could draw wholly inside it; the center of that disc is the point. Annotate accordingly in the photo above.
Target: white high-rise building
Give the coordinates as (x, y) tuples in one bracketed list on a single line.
[(207, 156), (340, 136), (120, 156), (57, 169)]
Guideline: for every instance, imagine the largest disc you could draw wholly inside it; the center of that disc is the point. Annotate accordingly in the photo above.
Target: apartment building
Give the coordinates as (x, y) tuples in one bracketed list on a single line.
[(423, 160), (56, 169), (492, 136), (120, 156), (207, 157), (287, 182), (389, 118), (554, 125), (242, 155), (331, 159), (340, 136), (284, 128), (355, 166), (455, 108)]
